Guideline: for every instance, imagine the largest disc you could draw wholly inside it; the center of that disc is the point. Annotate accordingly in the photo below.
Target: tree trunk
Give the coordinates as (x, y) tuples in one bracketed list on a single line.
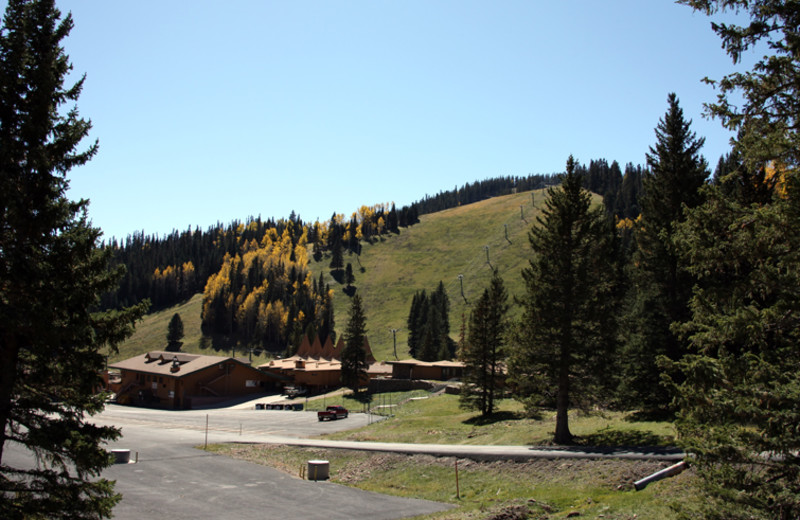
[(490, 392), (9, 354), (563, 435)]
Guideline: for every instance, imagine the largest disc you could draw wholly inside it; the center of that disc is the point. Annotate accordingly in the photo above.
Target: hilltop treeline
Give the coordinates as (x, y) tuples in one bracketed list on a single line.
[(481, 190), (620, 191), (169, 269)]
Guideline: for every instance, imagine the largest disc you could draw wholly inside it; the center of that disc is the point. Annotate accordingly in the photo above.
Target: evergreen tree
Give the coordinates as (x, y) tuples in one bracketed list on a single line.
[(337, 256), (429, 326), (737, 181), (416, 319), (432, 335), (662, 287), (354, 357), (738, 406), (51, 275), (484, 351), (629, 192), (349, 277), (566, 334), (392, 222), (175, 332), (766, 100)]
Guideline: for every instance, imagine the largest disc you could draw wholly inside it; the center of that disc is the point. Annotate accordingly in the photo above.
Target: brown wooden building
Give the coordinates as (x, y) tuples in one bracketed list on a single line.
[(433, 370), (318, 367), (175, 380)]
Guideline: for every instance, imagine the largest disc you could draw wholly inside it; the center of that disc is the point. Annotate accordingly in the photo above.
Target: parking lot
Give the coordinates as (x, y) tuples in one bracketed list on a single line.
[(173, 479), (222, 423)]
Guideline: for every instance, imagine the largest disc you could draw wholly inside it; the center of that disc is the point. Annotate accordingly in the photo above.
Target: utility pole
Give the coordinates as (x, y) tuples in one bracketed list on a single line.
[(394, 340)]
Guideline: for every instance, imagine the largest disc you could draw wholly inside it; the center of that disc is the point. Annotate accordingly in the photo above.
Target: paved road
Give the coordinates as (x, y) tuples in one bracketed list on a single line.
[(284, 427)]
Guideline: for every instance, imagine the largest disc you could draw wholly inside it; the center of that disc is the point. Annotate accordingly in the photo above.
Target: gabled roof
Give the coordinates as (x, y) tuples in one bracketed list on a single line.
[(329, 351), (304, 348), (173, 364), (316, 350)]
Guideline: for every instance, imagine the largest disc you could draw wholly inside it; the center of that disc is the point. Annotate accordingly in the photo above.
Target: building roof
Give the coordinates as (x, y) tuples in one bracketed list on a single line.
[(173, 364), (329, 351), (417, 363), (379, 368)]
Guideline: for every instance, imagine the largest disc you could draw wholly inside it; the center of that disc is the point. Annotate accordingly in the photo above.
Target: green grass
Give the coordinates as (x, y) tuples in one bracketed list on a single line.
[(600, 488), (151, 334), (439, 248), (439, 420), (389, 271), (382, 404), (552, 487)]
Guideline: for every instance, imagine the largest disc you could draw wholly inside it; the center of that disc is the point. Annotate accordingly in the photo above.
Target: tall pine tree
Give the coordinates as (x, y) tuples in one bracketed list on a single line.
[(354, 357), (51, 275), (567, 333), (661, 287), (483, 352)]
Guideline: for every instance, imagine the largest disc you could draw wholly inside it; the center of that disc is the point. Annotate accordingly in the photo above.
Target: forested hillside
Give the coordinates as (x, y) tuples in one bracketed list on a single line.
[(169, 269), (387, 272)]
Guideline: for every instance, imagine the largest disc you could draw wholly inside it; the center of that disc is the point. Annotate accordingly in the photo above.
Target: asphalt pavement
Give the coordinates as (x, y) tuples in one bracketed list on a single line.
[(170, 478)]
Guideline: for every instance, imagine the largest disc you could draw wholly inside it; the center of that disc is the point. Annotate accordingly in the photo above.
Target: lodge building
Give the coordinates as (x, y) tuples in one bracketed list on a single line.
[(176, 380)]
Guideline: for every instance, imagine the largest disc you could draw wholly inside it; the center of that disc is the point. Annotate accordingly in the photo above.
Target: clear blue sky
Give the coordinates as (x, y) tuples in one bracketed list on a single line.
[(211, 111)]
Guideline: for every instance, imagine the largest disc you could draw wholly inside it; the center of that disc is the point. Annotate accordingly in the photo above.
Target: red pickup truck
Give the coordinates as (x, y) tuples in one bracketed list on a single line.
[(332, 412)]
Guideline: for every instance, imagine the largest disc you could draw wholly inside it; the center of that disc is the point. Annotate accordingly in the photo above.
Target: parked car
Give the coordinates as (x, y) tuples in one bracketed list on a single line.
[(332, 412)]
